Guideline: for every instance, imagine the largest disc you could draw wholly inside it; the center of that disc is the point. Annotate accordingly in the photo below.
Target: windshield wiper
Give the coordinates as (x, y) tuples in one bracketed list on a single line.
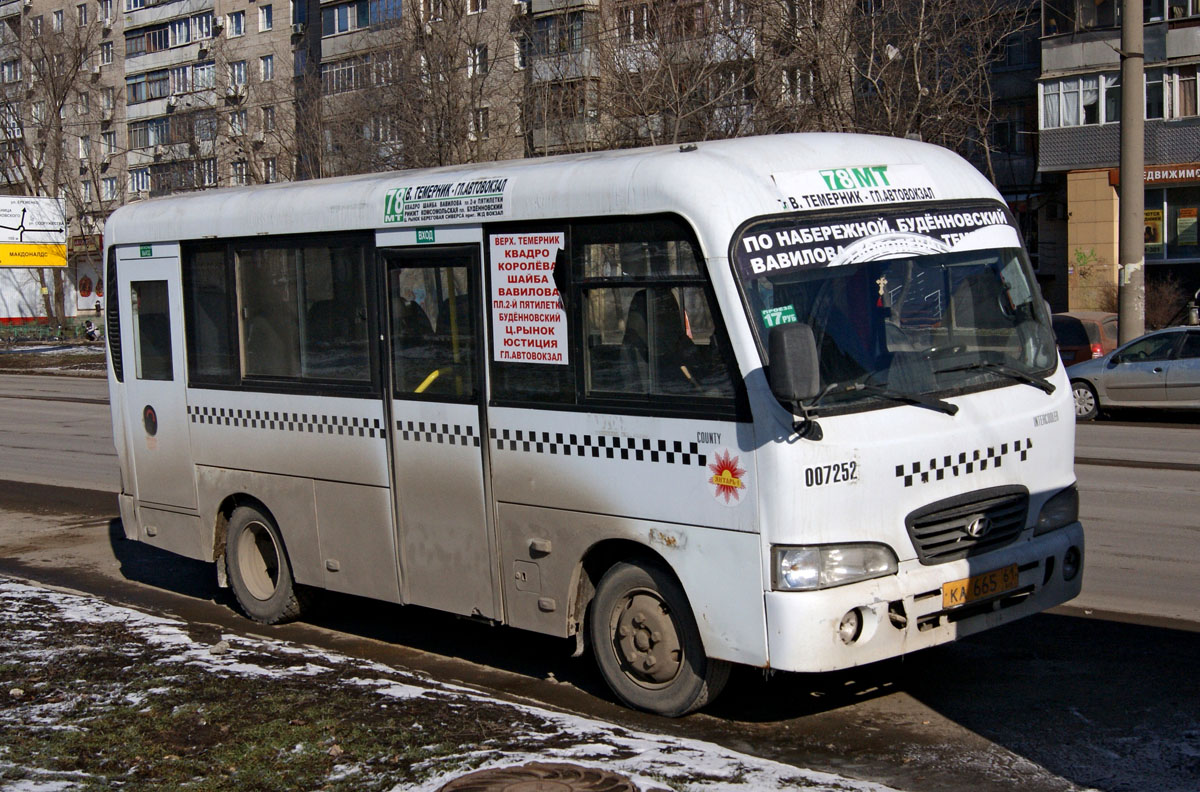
[(1008, 371), (908, 398)]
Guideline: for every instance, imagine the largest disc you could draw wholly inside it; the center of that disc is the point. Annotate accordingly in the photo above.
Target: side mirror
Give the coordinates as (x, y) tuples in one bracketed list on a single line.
[(1115, 360), (794, 375)]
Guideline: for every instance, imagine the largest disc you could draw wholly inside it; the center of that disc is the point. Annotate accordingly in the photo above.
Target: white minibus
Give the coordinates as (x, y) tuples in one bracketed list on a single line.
[(790, 402)]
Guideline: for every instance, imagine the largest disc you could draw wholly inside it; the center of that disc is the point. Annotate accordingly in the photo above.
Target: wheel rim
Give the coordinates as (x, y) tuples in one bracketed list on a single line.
[(645, 639), (1085, 402), (258, 560)]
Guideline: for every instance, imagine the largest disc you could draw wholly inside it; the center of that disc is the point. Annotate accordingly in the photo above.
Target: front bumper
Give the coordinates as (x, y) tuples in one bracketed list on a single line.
[(903, 613)]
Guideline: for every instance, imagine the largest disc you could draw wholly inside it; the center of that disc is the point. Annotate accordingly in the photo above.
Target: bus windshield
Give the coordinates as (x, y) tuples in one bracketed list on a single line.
[(900, 302)]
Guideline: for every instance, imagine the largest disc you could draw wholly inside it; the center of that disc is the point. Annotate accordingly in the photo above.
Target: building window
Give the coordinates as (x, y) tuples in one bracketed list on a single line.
[(1180, 88), (237, 172), (106, 13), (106, 53), (269, 170), (85, 191), (476, 6), (139, 180), (433, 10), (267, 67), (35, 26), (633, 22), (108, 98), (81, 14), (83, 104), (268, 119), (345, 17), (208, 172), (557, 34), (108, 188), (181, 32), (266, 20), (237, 73), (203, 24), (108, 143), (479, 124), (12, 70), (237, 122), (57, 21), (477, 60), (236, 24), (204, 75), (85, 147)]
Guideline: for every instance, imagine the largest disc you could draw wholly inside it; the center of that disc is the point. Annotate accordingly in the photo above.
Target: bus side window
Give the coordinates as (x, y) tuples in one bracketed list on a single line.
[(656, 336), (433, 333), (151, 330)]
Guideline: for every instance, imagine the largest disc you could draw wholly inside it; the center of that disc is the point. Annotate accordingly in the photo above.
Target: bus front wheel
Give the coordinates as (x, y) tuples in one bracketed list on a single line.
[(646, 642), (258, 568)]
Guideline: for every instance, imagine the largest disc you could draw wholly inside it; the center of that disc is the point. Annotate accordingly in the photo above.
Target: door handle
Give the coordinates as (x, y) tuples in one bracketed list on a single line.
[(1158, 370)]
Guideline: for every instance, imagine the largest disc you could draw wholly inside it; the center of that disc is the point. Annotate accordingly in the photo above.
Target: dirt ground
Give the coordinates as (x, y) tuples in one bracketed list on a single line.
[(94, 696), (79, 359)]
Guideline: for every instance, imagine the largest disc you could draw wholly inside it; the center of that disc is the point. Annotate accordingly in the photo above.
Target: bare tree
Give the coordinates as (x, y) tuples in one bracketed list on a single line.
[(47, 104)]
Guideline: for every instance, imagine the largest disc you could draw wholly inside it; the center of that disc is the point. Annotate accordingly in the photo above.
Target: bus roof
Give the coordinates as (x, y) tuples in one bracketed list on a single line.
[(754, 176)]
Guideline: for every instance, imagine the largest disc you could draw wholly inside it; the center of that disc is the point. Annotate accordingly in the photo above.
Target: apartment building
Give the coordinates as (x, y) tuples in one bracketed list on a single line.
[(1079, 123)]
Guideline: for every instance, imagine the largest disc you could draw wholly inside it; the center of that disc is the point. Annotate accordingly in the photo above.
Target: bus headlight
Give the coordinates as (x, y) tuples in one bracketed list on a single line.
[(814, 567), (1062, 509)]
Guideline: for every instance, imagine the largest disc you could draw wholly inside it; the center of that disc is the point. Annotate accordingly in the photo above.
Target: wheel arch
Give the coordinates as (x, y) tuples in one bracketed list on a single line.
[(598, 559), (225, 510)]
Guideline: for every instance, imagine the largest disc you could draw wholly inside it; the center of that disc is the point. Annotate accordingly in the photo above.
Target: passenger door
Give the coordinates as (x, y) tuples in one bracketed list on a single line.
[(1183, 373), (152, 353), (1140, 373), (446, 541)]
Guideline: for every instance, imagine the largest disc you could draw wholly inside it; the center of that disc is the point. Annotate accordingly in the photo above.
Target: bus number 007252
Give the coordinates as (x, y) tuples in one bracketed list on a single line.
[(831, 474)]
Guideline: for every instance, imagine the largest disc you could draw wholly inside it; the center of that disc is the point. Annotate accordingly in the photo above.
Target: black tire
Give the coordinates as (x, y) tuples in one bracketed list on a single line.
[(258, 568), (1087, 404), (647, 647)]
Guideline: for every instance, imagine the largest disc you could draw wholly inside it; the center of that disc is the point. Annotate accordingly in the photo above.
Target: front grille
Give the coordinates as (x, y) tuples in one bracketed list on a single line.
[(942, 532)]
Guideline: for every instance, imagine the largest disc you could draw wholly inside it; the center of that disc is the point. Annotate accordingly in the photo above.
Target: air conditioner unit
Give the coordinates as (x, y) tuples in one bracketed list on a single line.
[(172, 101), (235, 91), (106, 23), (202, 51), (159, 151), (258, 138), (27, 3), (96, 69), (106, 114), (298, 28)]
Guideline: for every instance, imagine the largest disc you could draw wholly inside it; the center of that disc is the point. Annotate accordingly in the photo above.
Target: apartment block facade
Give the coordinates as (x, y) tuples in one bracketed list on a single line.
[(1079, 123)]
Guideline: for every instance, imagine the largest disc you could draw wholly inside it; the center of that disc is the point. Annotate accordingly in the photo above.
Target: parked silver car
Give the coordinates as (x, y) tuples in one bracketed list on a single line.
[(1160, 369)]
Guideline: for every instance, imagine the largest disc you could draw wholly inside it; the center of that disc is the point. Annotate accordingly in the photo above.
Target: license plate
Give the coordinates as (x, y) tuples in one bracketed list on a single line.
[(977, 587)]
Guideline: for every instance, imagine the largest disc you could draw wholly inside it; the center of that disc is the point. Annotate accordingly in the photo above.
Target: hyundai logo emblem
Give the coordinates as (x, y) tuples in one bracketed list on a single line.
[(979, 526)]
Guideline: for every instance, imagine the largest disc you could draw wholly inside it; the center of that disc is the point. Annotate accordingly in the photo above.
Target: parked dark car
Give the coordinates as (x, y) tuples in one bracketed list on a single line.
[(1160, 369), (1083, 335)]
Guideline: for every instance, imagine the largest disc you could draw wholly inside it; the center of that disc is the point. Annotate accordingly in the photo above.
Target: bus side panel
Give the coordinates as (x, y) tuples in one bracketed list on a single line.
[(358, 549), (290, 500), (178, 533), (719, 570), (321, 437)]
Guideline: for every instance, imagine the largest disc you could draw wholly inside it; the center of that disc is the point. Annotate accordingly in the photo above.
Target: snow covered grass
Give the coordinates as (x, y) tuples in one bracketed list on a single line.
[(96, 695)]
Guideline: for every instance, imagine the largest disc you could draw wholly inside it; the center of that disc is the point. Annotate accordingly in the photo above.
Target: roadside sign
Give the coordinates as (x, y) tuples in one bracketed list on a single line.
[(33, 232)]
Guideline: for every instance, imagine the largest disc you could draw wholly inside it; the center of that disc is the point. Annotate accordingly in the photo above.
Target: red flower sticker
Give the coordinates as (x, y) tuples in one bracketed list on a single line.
[(727, 476)]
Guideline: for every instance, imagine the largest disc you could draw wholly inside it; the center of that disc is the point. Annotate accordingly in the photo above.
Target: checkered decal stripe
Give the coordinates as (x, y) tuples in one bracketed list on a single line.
[(671, 452), (443, 434), (966, 463), (344, 425)]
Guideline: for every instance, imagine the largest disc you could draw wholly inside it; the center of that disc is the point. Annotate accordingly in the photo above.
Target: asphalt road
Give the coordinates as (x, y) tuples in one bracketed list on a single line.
[(1054, 702)]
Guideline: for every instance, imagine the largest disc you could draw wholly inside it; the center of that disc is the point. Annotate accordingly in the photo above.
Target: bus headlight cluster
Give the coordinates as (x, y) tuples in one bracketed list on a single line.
[(812, 567), (1062, 509)]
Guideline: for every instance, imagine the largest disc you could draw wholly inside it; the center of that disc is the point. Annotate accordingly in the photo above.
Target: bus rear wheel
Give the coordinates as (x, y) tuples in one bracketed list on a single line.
[(646, 642), (258, 568)]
